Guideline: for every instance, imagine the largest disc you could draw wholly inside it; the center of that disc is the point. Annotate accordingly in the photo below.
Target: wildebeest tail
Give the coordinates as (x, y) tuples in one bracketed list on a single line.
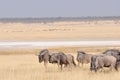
[(73, 61), (116, 66), (77, 57)]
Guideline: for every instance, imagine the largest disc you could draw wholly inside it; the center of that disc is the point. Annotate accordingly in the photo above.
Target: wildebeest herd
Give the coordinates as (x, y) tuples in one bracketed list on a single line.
[(109, 58)]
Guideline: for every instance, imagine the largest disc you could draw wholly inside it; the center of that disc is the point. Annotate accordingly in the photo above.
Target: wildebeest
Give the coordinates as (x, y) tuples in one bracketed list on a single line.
[(113, 52), (70, 59), (44, 56), (100, 61), (60, 58), (82, 58)]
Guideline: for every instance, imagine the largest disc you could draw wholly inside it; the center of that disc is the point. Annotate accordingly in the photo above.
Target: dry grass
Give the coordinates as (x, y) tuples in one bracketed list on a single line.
[(14, 66), (70, 49), (60, 31), (27, 67)]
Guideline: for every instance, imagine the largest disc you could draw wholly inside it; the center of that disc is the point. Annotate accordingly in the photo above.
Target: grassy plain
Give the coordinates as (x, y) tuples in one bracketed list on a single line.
[(27, 67), (22, 64), (69, 49)]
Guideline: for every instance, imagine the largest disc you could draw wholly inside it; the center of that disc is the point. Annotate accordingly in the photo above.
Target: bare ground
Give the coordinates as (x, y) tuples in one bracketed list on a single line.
[(102, 30)]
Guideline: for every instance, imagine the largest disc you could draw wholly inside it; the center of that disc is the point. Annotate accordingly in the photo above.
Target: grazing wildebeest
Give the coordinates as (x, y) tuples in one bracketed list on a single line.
[(60, 58), (44, 56), (100, 61), (82, 58), (113, 52)]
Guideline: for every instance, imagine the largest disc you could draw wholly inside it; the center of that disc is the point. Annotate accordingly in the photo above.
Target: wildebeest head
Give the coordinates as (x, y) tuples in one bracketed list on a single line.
[(42, 54), (94, 63), (40, 57)]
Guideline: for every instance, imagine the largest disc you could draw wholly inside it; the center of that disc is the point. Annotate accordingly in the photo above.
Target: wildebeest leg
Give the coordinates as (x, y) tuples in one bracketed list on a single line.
[(82, 64), (78, 64), (61, 66), (116, 67), (66, 65), (69, 63), (45, 64), (96, 69), (111, 68), (74, 63), (58, 63), (70, 66)]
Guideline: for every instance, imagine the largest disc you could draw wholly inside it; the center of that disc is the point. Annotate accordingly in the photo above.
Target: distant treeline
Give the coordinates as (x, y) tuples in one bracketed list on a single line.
[(56, 19)]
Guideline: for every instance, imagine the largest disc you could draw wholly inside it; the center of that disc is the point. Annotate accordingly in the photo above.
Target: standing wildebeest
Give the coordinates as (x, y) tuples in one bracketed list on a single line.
[(44, 56), (100, 61), (70, 59), (114, 53), (82, 58), (60, 58)]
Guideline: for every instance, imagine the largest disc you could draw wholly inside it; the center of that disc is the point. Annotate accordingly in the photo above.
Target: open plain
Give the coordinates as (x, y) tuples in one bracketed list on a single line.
[(27, 67), (81, 30), (22, 64)]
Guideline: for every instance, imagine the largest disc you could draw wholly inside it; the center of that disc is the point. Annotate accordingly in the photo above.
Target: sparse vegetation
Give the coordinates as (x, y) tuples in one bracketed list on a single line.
[(27, 67), (95, 30), (72, 50), (22, 64)]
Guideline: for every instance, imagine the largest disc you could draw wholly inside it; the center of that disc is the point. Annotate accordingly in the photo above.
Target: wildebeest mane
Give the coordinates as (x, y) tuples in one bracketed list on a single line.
[(112, 50), (81, 52), (44, 50)]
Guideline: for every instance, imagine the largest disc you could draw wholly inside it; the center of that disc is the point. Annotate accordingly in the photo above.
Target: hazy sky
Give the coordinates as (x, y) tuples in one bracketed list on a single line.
[(59, 8)]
